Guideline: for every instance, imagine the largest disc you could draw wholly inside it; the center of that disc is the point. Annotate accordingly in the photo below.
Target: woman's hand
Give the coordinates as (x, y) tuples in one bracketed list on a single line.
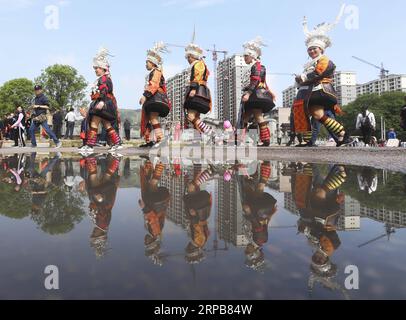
[(192, 93), (142, 100), (299, 79), (246, 97), (100, 105)]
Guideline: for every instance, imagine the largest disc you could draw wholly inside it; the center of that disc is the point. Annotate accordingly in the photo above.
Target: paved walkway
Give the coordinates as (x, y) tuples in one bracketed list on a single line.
[(381, 158)]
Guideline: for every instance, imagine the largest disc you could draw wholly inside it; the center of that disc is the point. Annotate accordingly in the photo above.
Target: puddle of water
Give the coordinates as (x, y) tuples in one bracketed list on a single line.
[(132, 228)]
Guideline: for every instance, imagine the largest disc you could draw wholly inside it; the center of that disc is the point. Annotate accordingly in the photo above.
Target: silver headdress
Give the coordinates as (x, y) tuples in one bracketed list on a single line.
[(101, 59), (154, 55), (193, 49), (318, 36), (253, 48)]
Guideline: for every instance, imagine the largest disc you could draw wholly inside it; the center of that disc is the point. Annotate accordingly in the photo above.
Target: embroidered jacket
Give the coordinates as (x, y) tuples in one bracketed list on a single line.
[(257, 78), (103, 89), (155, 83), (318, 71), (199, 75)]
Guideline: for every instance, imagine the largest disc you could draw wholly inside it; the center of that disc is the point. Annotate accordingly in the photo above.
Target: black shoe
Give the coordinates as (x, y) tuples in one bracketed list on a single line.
[(347, 141), (147, 145), (302, 145), (264, 145)]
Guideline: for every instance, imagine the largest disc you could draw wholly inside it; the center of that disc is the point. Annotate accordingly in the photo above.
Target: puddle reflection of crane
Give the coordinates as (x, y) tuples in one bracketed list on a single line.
[(389, 231)]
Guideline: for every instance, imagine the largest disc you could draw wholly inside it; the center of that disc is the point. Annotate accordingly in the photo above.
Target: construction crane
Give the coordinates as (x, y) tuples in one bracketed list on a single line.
[(389, 231), (215, 53), (384, 73)]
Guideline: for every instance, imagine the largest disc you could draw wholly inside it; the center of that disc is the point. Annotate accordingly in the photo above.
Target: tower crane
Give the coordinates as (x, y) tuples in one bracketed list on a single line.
[(384, 72)]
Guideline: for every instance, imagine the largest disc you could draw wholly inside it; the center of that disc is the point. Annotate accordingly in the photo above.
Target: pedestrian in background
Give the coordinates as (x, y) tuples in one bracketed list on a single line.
[(39, 117), (127, 129), (28, 125), (403, 116), (366, 122), (392, 135), (18, 127), (7, 126), (279, 135), (57, 122), (70, 119), (1, 129)]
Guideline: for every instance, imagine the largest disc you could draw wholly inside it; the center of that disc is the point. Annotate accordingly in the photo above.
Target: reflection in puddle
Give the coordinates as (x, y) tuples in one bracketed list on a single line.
[(141, 228)]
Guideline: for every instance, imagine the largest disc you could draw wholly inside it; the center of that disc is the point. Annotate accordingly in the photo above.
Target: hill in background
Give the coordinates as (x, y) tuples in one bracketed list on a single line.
[(133, 115)]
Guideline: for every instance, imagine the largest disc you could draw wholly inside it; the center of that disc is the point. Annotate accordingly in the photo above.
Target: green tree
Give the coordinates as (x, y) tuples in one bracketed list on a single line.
[(64, 87), (388, 106), (14, 205), (390, 195), (15, 93), (61, 211)]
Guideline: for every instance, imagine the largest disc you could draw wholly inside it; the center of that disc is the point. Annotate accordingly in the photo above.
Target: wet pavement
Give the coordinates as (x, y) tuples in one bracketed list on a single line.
[(135, 227), (393, 159)]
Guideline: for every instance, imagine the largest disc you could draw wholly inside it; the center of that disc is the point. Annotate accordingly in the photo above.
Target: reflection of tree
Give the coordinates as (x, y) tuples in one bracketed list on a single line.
[(61, 212), (391, 195), (15, 205)]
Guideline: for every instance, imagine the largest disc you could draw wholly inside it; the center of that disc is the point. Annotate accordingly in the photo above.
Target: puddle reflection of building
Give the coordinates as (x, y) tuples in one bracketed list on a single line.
[(396, 219), (230, 213), (175, 182)]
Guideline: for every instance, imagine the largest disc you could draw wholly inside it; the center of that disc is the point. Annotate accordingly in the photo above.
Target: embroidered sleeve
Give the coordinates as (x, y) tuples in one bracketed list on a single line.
[(153, 84)]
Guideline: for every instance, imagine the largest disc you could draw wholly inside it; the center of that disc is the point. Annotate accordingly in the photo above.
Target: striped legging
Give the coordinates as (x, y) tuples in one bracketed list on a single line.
[(19, 137)]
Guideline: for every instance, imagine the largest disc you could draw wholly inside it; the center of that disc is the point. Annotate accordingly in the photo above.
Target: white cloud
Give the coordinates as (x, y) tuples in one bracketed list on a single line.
[(69, 59)]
